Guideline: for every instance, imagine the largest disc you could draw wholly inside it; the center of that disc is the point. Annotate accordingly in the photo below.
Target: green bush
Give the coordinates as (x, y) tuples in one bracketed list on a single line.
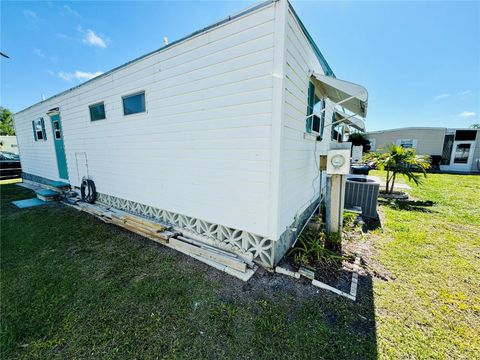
[(310, 250), (349, 217)]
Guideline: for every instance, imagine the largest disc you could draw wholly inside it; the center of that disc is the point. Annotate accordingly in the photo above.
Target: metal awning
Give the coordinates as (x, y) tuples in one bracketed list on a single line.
[(351, 96), (350, 120)]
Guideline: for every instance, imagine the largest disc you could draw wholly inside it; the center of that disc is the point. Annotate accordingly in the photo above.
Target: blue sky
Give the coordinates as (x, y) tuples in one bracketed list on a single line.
[(420, 61)]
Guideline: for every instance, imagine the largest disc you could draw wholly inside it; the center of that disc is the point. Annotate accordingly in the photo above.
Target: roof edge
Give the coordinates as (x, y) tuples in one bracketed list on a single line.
[(419, 128), (237, 15)]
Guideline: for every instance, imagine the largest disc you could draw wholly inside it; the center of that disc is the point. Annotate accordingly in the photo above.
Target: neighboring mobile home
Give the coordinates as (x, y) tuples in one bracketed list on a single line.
[(451, 150), (218, 133), (9, 143)]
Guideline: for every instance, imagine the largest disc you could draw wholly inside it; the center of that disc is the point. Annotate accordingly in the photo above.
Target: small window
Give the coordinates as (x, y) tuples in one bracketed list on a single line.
[(39, 130), (56, 130), (407, 143), (318, 120), (315, 114), (310, 103), (334, 133), (133, 104), (97, 111), (462, 153)]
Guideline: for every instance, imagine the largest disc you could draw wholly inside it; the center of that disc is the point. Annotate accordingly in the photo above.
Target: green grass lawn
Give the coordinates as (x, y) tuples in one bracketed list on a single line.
[(73, 287), (432, 309)]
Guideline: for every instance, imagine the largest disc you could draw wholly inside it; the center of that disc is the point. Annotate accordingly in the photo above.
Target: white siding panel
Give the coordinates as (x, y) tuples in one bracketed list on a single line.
[(202, 148), (37, 157), (300, 153)]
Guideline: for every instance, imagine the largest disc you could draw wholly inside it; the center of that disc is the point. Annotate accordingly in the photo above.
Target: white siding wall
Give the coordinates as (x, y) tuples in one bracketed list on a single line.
[(37, 157), (429, 141), (300, 153), (203, 148)]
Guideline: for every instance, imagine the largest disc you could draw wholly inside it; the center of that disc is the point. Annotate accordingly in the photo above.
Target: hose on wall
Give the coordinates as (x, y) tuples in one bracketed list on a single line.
[(88, 190)]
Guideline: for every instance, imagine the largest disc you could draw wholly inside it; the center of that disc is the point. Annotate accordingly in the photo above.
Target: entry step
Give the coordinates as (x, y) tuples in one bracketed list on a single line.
[(47, 194), (60, 185)]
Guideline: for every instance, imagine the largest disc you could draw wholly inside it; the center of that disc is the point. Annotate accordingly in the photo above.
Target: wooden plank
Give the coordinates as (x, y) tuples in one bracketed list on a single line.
[(243, 254), (145, 222), (206, 246), (157, 237), (162, 234), (332, 289), (228, 261), (284, 271), (217, 250), (141, 226)]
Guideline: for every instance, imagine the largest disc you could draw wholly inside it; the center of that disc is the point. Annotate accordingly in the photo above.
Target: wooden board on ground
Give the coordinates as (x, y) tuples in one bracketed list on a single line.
[(230, 263), (244, 276), (144, 222), (153, 235), (215, 256)]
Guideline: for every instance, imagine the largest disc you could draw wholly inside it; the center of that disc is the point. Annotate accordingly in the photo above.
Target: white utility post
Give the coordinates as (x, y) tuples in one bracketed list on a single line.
[(338, 166)]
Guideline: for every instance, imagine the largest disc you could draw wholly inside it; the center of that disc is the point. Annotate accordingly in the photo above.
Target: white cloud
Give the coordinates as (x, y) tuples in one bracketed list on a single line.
[(93, 39), (78, 75), (70, 11), (39, 53), (466, 92), (30, 15), (441, 96), (65, 76), (467, 114)]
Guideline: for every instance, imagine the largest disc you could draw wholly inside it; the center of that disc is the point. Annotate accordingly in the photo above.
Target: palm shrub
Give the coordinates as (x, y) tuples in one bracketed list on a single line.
[(396, 160)]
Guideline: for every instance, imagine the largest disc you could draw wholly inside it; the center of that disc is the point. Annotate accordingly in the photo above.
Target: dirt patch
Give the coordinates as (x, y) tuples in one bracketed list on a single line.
[(264, 284), (361, 242), (335, 269)]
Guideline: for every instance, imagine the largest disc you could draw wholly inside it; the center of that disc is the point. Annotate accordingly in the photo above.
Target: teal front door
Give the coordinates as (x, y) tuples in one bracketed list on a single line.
[(59, 148)]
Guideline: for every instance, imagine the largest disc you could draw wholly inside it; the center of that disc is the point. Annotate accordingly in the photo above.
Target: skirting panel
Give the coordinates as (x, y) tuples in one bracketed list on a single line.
[(260, 247), (265, 252), (282, 246), (35, 178)]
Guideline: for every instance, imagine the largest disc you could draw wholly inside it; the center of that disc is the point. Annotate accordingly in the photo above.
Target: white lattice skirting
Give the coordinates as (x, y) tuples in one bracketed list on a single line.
[(260, 247)]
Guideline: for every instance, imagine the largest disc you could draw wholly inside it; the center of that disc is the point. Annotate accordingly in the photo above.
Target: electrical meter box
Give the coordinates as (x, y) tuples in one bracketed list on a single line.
[(323, 162), (338, 162)]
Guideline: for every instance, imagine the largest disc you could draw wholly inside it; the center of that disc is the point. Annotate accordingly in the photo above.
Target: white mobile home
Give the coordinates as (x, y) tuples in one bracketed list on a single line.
[(9, 143), (218, 133), (451, 150)]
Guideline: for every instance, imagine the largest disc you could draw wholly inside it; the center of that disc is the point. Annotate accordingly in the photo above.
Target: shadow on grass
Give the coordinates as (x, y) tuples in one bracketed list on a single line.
[(371, 224), (408, 205)]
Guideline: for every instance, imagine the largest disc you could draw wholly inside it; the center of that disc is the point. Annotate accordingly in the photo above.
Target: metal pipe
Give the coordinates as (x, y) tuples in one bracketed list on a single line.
[(305, 225)]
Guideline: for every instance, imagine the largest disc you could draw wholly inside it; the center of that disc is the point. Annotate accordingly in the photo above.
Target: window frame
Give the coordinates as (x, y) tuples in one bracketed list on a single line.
[(467, 144), (40, 122), (321, 118), (407, 143), (312, 96), (132, 95), (104, 111)]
